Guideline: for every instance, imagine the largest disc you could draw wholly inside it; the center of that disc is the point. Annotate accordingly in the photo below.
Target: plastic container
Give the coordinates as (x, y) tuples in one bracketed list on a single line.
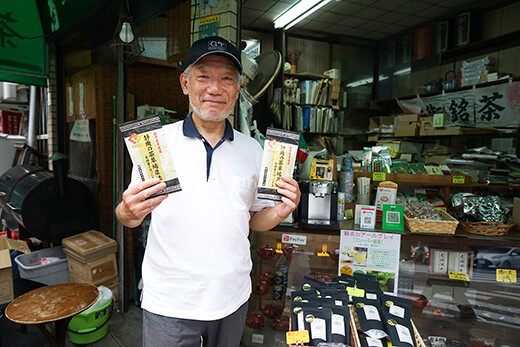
[(50, 273), (91, 325)]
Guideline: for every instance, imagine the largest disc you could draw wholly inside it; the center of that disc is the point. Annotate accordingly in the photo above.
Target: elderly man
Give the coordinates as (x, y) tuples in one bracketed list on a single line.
[(197, 261)]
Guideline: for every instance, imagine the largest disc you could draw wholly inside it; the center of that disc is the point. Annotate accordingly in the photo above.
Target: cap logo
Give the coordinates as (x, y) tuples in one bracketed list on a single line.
[(215, 45)]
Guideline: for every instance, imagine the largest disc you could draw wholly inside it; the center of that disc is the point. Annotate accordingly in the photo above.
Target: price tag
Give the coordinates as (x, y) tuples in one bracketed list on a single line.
[(458, 276), (433, 170), (458, 179), (505, 275), (257, 338), (379, 176), (349, 214), (356, 292), (301, 336)]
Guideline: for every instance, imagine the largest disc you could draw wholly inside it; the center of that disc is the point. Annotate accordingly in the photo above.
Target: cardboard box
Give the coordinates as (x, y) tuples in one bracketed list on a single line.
[(95, 272), (333, 73), (406, 125), (407, 118), (6, 272), (447, 131), (426, 126), (6, 277), (10, 122), (89, 245), (437, 159), (385, 124)]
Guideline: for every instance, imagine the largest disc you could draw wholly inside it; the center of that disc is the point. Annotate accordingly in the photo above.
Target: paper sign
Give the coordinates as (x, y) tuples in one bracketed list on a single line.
[(393, 217), (356, 292), (368, 218), (301, 336), (379, 176), (80, 131), (371, 252), (458, 179), (433, 170), (505, 275), (458, 276)]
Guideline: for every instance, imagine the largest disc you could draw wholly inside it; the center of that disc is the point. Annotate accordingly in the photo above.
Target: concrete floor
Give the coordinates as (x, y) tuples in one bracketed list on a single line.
[(124, 329)]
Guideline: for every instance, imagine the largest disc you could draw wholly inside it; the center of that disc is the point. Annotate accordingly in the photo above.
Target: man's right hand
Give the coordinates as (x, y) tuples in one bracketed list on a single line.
[(135, 205)]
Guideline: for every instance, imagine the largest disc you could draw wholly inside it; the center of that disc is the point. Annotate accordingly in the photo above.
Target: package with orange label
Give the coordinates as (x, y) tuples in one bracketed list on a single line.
[(148, 149), (278, 159)]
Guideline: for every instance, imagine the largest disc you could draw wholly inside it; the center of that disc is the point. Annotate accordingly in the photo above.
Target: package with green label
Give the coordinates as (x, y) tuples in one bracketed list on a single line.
[(279, 158), (148, 150)]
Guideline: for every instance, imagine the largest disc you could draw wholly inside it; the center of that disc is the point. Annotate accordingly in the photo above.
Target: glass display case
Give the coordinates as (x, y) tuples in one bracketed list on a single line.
[(482, 307)]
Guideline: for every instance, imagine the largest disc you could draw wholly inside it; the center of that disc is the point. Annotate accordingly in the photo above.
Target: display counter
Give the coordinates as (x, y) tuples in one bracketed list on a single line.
[(484, 305)]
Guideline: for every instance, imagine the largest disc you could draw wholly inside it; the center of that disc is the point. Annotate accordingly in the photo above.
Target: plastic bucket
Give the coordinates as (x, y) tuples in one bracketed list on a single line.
[(90, 327)]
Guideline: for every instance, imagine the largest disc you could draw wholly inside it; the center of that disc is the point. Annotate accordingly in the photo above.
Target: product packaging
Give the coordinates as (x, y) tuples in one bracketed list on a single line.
[(148, 150), (279, 157)]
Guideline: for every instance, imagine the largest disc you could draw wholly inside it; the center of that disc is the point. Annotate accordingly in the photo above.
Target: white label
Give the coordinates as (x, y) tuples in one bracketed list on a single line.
[(294, 239), (257, 338), (404, 334), (338, 324), (338, 302), (371, 312), (80, 131), (318, 330), (397, 311), (301, 325), (371, 296), (374, 342)]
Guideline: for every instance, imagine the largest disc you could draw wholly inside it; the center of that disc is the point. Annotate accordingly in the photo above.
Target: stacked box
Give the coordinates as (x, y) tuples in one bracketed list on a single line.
[(92, 259), (406, 125)]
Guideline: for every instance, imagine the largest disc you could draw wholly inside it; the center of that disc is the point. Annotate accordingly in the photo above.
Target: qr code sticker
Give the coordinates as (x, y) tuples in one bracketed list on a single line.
[(393, 217)]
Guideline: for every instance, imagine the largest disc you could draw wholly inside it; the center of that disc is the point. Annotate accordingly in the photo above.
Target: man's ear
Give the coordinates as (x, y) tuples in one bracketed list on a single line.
[(184, 83)]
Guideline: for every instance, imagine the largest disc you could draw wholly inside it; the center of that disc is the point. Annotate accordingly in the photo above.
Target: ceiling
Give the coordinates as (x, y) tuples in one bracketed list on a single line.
[(365, 19)]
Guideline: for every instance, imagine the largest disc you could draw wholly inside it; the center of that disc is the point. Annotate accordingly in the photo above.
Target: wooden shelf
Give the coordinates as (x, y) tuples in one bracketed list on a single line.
[(433, 180)]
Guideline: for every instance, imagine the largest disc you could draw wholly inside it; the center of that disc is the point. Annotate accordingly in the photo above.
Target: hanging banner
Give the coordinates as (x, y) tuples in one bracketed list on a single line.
[(371, 253), (487, 107)]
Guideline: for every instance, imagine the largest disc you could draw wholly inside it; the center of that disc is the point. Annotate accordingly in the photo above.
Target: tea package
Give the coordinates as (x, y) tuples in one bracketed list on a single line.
[(400, 331), (397, 307), (370, 342), (317, 322), (279, 158), (148, 150), (340, 323), (370, 319)]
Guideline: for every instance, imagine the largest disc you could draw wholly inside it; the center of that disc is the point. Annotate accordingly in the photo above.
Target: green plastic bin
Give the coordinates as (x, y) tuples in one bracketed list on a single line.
[(90, 327)]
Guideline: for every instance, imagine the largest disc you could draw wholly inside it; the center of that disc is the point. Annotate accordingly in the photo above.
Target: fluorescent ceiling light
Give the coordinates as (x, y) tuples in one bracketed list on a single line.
[(403, 72), (298, 12), (365, 81)]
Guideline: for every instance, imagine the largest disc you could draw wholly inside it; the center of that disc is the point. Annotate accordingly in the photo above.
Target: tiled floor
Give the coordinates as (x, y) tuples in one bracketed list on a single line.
[(124, 329)]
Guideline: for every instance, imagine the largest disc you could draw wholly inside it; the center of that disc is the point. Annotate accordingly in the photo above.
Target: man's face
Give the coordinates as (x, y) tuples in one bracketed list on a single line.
[(212, 87)]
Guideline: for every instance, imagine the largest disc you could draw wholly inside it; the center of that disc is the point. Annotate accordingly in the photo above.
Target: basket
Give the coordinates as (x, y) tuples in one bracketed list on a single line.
[(447, 225), (355, 321), (486, 228)]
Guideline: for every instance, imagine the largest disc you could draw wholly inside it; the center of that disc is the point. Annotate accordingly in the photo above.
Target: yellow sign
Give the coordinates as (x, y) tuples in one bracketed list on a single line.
[(458, 276), (459, 179), (356, 292), (301, 336), (379, 176), (208, 19), (505, 275)]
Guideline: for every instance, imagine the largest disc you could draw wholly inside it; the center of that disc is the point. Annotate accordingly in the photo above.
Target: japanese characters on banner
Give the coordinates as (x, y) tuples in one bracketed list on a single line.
[(371, 253), (486, 107)]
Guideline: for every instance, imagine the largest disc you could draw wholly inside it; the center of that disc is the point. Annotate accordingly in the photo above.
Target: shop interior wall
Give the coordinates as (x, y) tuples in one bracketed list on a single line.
[(494, 23)]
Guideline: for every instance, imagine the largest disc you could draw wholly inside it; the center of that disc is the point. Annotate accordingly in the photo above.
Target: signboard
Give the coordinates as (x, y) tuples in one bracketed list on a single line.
[(208, 26), (371, 253), (23, 52), (485, 107)]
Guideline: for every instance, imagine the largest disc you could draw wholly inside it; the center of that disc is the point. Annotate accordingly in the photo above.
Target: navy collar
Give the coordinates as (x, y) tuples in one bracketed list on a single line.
[(189, 129)]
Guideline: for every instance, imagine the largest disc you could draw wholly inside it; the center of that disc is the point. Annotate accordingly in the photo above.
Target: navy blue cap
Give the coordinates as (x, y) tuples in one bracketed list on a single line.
[(214, 45)]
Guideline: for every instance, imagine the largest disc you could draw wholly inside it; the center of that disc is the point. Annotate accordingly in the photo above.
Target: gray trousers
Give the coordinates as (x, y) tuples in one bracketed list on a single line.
[(159, 331)]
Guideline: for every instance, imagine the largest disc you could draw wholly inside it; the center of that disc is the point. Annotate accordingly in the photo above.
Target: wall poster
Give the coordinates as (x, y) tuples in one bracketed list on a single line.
[(371, 253)]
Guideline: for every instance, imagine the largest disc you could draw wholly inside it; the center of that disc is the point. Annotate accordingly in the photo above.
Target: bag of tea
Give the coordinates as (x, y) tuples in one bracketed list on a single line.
[(297, 314), (340, 323), (303, 296), (370, 318), (370, 342), (400, 331), (397, 306), (317, 322)]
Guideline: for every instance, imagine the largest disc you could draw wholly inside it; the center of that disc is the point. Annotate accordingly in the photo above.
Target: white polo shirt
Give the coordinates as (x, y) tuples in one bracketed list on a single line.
[(197, 260)]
